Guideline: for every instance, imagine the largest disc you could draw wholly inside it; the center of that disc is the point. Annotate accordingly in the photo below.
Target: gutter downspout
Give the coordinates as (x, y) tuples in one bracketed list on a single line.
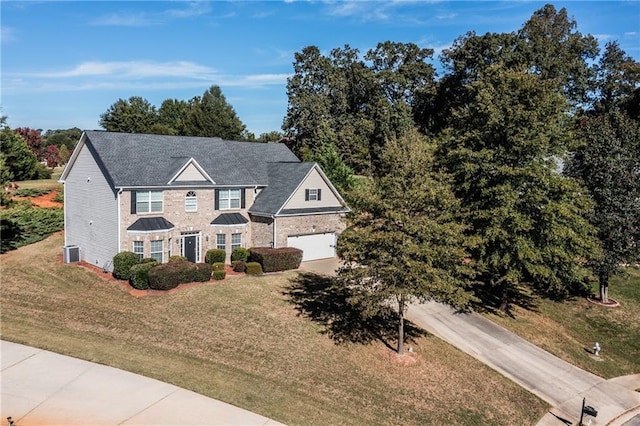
[(275, 240), (64, 207), (119, 219)]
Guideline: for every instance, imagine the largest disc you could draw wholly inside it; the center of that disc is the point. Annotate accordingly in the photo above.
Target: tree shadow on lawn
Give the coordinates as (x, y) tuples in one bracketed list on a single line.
[(326, 302)]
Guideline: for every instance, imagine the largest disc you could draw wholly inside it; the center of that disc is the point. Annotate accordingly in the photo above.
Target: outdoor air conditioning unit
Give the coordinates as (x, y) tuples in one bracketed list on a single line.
[(71, 254)]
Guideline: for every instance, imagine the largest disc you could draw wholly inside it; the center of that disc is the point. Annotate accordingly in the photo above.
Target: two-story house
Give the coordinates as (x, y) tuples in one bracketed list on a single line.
[(158, 196)]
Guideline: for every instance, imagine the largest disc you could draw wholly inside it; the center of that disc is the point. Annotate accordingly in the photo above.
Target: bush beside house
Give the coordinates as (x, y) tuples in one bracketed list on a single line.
[(122, 263), (276, 259), (215, 256), (139, 274)]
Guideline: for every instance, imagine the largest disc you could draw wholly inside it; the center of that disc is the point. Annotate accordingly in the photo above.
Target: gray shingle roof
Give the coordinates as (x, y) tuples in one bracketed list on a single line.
[(138, 160), (284, 178)]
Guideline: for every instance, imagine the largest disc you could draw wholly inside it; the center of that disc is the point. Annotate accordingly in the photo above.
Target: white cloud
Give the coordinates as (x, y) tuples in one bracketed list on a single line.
[(124, 20), (191, 10), (133, 75), (6, 35), (135, 69), (604, 37), (195, 8)]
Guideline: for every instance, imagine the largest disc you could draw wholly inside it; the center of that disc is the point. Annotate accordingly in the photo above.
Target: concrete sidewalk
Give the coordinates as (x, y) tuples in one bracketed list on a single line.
[(44, 388), (557, 382)]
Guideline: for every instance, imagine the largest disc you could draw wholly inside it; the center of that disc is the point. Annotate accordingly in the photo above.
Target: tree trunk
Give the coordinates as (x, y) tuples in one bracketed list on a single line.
[(504, 298), (401, 326), (604, 287)]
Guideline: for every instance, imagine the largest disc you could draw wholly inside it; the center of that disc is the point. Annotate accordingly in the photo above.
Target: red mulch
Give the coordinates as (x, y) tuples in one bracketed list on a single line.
[(44, 201)]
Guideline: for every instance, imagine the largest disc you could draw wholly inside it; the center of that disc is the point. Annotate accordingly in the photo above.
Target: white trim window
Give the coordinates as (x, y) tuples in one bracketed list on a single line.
[(148, 201), (312, 194), (156, 250), (191, 202), (229, 199), (138, 248), (236, 241), (221, 241)]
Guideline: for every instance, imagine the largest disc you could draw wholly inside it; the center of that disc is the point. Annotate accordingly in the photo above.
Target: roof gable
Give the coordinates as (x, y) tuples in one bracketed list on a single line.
[(285, 180), (191, 171)]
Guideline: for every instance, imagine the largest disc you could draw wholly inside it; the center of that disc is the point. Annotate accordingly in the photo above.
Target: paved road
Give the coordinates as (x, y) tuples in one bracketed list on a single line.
[(557, 382), (44, 388)]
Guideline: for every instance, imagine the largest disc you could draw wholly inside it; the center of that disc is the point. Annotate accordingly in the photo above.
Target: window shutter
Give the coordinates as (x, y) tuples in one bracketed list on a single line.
[(306, 195), (217, 200), (319, 192), (242, 199), (133, 202)]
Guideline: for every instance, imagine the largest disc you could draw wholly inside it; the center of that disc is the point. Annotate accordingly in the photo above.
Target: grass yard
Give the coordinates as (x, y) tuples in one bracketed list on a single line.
[(242, 340), (570, 329)]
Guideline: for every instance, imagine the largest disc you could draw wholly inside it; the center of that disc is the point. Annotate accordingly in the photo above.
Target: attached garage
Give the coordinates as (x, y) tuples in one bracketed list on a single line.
[(314, 246)]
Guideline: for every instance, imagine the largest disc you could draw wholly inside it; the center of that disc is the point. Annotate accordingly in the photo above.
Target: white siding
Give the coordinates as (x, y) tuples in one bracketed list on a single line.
[(314, 180), (91, 211), (191, 173)]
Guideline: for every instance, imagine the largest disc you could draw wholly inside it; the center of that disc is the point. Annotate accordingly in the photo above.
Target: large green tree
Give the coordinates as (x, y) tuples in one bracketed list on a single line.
[(527, 221), (404, 242), (19, 162), (356, 103), (608, 163), (618, 81), (555, 50), (60, 137), (211, 115), (135, 115)]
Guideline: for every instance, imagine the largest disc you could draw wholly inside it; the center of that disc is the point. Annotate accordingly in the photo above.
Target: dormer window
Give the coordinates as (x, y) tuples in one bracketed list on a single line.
[(191, 202), (312, 194)]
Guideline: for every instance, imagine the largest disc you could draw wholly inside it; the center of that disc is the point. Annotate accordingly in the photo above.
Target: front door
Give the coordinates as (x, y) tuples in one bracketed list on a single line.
[(190, 248)]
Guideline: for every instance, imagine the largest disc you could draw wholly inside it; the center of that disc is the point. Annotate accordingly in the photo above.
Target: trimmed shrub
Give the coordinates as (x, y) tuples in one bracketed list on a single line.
[(218, 266), (215, 256), (239, 265), (148, 260), (170, 275), (204, 272), (122, 263), (276, 259), (240, 253), (177, 258), (254, 268), (140, 274), (219, 275)]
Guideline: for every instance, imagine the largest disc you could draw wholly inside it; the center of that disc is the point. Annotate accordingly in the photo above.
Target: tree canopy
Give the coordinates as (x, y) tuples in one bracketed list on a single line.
[(209, 115), (403, 242)]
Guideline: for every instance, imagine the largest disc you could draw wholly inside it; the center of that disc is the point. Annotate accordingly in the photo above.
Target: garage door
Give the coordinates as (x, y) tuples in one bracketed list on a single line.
[(314, 246)]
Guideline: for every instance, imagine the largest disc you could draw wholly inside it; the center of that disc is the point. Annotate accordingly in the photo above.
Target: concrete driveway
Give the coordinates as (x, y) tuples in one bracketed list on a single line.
[(44, 388), (559, 383), (326, 267)]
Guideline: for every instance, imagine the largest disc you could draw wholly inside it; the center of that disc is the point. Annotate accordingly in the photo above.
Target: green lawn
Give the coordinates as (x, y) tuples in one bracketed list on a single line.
[(570, 329), (250, 341)]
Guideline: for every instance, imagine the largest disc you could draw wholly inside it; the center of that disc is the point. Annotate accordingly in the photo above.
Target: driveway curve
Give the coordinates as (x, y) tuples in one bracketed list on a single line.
[(556, 381), (44, 388)]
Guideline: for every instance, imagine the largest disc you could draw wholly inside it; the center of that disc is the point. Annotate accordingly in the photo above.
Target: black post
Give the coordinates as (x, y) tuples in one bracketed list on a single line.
[(581, 412)]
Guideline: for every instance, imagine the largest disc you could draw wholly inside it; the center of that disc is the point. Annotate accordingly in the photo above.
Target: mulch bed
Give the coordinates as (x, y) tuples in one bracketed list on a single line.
[(44, 201), (612, 303), (124, 285)]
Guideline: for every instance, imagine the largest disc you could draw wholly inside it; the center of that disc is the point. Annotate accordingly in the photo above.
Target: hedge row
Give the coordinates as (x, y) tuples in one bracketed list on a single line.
[(169, 275), (276, 259)]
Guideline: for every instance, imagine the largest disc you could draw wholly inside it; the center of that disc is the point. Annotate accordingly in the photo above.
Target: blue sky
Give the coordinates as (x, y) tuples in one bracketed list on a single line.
[(64, 63)]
